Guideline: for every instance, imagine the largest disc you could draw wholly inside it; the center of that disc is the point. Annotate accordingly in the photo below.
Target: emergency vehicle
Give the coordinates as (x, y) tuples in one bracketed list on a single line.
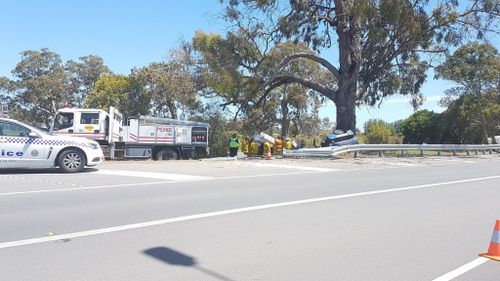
[(23, 146), (142, 137)]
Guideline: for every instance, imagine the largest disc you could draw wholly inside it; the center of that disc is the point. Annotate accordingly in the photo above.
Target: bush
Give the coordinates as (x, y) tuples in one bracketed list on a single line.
[(377, 131)]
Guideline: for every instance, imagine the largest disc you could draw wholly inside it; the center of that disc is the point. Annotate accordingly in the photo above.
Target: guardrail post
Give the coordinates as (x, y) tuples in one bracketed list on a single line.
[(476, 152), (421, 153), (484, 152), (439, 152), (454, 153), (355, 154), (402, 153), (380, 153), (467, 152)]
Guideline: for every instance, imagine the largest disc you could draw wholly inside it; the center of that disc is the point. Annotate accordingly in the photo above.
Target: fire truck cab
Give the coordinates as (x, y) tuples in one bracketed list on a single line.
[(141, 137)]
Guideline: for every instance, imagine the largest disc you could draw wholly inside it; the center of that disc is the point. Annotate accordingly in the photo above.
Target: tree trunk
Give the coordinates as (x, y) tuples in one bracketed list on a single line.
[(172, 109), (346, 108), (285, 122), (349, 32), (485, 130), (483, 118)]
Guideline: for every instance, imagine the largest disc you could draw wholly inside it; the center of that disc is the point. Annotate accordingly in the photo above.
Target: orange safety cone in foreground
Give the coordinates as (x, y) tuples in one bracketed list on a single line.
[(494, 249)]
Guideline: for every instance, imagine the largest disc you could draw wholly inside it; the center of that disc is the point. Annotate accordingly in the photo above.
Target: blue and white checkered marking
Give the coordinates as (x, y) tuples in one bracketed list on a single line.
[(22, 140)]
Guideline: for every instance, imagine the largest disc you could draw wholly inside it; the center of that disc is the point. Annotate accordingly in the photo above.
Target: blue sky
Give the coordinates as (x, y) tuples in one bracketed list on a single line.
[(129, 34)]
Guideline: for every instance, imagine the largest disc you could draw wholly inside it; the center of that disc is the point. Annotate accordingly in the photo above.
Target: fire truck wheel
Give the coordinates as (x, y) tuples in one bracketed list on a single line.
[(71, 161), (167, 154)]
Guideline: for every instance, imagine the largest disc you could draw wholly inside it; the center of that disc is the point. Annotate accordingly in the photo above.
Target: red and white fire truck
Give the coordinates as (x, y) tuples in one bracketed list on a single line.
[(141, 137)]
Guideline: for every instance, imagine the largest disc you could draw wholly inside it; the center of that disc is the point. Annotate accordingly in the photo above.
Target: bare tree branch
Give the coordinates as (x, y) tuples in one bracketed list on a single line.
[(334, 70), (289, 79)]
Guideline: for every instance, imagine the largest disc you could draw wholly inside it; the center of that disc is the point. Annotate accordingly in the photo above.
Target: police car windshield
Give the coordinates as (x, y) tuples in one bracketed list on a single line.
[(36, 130)]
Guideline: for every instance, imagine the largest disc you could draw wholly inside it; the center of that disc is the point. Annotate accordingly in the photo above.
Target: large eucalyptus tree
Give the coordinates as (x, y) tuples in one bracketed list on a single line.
[(382, 46)]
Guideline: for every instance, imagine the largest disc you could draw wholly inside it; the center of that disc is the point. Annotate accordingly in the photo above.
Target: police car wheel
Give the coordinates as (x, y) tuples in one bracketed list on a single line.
[(71, 161), (167, 154)]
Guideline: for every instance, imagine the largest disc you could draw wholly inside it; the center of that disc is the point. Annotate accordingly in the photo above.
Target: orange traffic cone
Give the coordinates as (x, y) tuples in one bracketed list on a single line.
[(269, 157), (494, 249)]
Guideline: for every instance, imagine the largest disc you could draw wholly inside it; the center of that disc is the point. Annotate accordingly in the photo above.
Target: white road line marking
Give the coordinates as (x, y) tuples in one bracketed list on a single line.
[(461, 270), (151, 175), (142, 184), (226, 212), (402, 164), (305, 168), (86, 188)]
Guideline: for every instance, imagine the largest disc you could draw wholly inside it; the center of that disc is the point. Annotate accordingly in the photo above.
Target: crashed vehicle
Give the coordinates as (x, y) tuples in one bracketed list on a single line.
[(339, 138), (257, 143)]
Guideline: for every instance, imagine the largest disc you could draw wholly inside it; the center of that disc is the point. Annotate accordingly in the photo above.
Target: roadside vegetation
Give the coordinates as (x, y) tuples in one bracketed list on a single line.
[(268, 73)]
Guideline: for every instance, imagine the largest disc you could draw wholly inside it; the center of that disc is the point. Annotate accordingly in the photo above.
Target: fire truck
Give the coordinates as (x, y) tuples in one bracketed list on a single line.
[(142, 137)]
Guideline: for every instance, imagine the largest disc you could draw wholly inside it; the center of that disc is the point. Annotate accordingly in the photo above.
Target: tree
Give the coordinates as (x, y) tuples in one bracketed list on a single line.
[(475, 67), (377, 131), (122, 92), (169, 85), (234, 68), (326, 124), (40, 87), (421, 127), (298, 105), (220, 129), (457, 124), (5, 99), (84, 74), (379, 43)]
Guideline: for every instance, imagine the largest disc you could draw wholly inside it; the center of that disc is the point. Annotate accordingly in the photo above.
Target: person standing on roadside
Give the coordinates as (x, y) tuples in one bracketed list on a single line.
[(233, 145), (244, 147)]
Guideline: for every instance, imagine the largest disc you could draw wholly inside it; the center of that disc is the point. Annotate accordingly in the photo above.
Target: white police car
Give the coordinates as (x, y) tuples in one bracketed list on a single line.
[(22, 146)]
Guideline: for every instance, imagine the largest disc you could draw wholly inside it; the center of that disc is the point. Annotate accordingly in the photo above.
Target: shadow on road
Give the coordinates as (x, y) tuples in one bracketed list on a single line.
[(40, 171), (173, 257)]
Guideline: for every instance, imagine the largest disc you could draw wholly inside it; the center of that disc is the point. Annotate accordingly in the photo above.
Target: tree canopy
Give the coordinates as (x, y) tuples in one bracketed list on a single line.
[(475, 68), (120, 91), (380, 45), (84, 73), (168, 85), (40, 87), (234, 68)]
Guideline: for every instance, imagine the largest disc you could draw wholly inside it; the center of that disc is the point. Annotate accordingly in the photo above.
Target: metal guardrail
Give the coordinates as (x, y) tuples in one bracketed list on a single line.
[(333, 151)]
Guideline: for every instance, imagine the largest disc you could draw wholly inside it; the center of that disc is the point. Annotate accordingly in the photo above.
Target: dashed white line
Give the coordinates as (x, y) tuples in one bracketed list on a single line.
[(304, 168), (228, 212), (151, 175), (461, 270), (144, 184), (403, 164), (84, 188)]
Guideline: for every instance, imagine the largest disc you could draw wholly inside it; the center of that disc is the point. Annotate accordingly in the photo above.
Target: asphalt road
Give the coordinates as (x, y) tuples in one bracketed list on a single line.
[(351, 219)]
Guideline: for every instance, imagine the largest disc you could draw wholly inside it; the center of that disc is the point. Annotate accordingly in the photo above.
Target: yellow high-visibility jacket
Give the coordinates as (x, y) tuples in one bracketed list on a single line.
[(278, 147), (244, 145), (267, 148), (254, 148)]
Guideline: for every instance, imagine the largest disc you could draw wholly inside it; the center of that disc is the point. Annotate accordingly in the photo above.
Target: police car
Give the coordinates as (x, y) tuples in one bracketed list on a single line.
[(22, 146)]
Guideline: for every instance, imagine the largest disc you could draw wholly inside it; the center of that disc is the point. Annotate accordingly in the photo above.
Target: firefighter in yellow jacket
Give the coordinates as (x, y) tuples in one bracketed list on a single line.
[(267, 149), (288, 144), (278, 146), (245, 145), (233, 145), (254, 148)]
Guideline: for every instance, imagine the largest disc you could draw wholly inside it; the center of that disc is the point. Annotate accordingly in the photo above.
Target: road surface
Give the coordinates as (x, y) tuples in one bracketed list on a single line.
[(351, 219)]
